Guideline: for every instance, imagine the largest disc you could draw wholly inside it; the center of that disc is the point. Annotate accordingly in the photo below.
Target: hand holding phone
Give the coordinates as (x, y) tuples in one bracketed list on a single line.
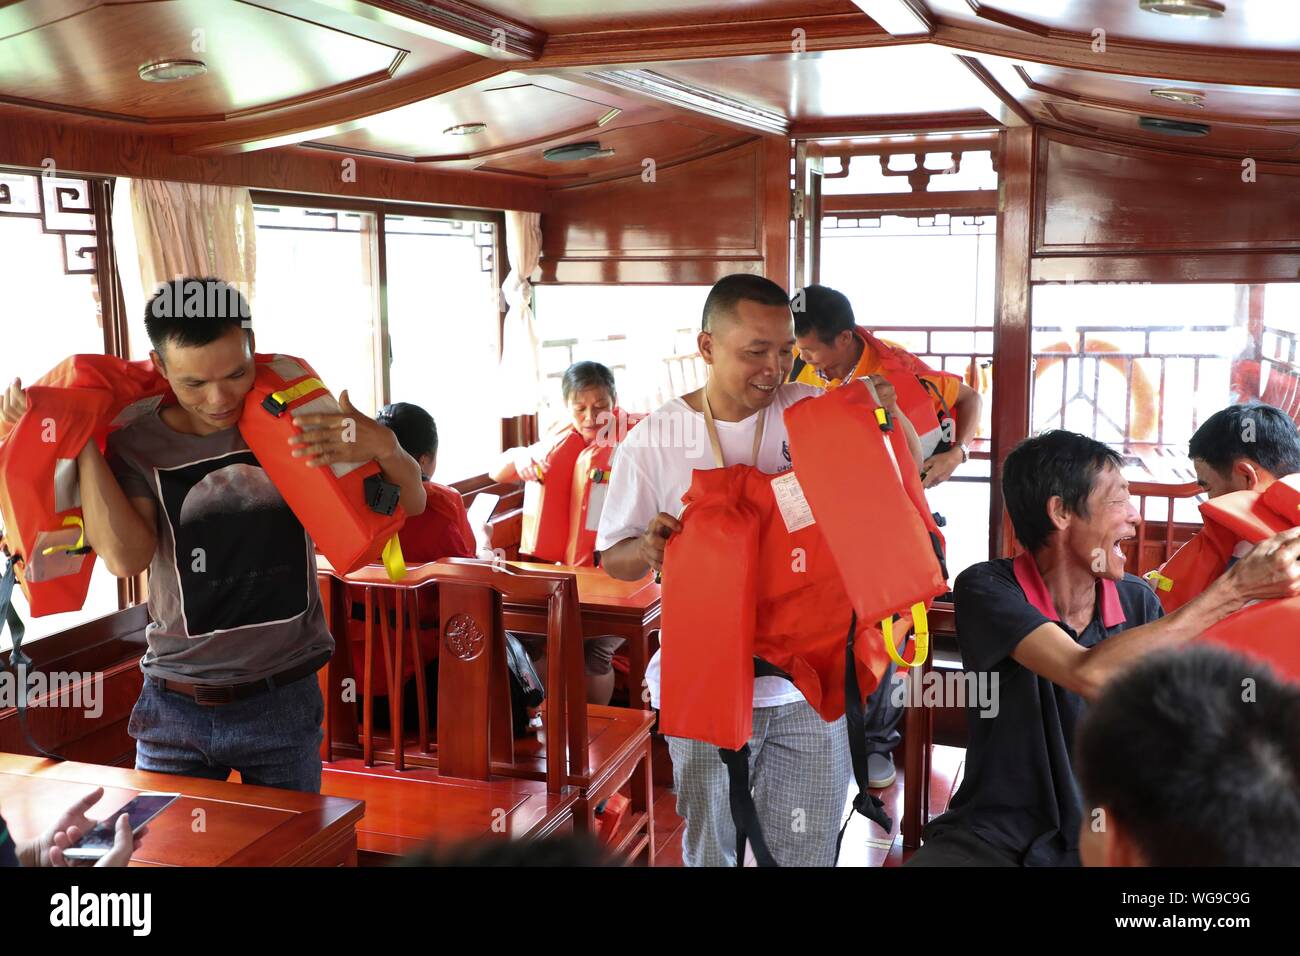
[(108, 839)]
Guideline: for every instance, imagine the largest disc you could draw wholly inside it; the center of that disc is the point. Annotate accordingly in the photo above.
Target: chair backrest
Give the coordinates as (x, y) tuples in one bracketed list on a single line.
[(1158, 538), (474, 725)]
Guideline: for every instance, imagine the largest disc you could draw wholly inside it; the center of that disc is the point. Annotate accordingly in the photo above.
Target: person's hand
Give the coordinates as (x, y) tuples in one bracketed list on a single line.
[(348, 436), (655, 539), (528, 466), (939, 468), (47, 849), (1270, 570), (13, 402), (885, 394)]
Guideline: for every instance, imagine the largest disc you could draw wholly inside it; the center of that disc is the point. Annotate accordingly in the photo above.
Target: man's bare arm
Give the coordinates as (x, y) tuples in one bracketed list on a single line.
[(120, 529)]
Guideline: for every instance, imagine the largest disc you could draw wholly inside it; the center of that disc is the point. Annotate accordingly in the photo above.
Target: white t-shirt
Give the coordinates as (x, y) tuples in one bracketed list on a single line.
[(653, 471)]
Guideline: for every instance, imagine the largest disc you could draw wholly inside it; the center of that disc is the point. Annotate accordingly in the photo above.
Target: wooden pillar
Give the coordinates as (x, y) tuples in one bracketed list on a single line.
[(1012, 312), (776, 210)]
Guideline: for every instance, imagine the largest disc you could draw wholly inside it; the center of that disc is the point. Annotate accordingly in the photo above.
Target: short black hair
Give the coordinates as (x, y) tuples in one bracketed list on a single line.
[(1044, 466), (195, 311), (582, 375), (1254, 431), (415, 428), (1197, 769), (825, 312), (740, 287)]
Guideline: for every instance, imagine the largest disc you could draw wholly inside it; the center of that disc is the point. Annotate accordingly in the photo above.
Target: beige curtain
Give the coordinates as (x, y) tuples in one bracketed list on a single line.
[(193, 229), (519, 379)]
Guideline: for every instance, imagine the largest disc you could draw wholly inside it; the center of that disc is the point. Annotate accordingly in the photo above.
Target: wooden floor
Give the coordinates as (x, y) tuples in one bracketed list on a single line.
[(865, 843)]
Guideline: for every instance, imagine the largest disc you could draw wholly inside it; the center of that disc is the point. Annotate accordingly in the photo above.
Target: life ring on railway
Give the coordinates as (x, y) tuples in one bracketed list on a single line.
[(1143, 399)]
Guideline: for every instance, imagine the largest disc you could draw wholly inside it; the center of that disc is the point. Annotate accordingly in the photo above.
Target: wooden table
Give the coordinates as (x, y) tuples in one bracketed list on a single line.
[(627, 609), (242, 825)]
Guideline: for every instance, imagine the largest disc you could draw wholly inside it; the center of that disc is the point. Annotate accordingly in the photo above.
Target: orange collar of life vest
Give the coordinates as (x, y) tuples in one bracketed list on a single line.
[(1035, 588)]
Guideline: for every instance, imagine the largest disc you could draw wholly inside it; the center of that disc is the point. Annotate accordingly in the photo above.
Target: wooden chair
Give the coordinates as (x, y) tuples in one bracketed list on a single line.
[(1157, 540)]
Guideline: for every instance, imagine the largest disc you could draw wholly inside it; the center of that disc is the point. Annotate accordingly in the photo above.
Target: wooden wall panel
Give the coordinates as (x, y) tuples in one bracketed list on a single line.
[(1098, 198), (698, 220), (28, 142)]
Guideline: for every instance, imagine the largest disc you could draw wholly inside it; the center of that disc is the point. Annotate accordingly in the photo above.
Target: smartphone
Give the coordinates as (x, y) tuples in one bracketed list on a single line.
[(99, 839)]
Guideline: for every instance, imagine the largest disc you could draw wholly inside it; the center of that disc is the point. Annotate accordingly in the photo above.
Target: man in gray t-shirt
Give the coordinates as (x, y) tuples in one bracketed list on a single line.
[(237, 630)]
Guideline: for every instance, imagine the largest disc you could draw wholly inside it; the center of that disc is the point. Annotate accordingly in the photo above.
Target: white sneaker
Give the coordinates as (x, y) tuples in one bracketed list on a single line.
[(880, 771)]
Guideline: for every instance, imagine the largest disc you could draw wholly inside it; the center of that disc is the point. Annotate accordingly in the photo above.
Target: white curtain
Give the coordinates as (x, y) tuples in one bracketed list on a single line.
[(519, 379), (184, 229)]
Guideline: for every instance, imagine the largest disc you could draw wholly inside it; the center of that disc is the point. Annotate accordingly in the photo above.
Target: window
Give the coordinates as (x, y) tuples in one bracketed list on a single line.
[(645, 334), (444, 332), (316, 297), (1140, 366), (47, 232)]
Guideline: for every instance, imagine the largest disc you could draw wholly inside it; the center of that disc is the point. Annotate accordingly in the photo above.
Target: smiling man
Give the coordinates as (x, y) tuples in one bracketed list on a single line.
[(237, 630), (1055, 624)]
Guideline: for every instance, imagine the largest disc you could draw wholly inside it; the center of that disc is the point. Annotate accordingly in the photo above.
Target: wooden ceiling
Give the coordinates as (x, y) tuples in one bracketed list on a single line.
[(663, 79)]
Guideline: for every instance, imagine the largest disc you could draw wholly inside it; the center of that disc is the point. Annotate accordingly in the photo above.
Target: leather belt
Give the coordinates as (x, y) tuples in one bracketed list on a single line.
[(212, 694)]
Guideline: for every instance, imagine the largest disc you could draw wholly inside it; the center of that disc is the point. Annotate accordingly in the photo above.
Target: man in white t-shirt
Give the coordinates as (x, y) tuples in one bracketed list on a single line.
[(799, 764)]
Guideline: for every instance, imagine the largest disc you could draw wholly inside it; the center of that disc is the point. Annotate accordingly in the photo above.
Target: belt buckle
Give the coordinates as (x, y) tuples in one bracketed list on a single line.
[(209, 695)]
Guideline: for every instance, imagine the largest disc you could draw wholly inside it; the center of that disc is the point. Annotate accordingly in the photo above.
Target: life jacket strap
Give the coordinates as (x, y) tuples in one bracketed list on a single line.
[(1159, 581), (394, 562), (19, 662), (277, 402), (855, 723), (743, 812), (920, 632), (80, 547)]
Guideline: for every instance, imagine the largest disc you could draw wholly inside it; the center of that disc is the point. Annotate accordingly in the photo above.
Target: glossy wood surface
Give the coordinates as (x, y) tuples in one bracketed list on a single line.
[(581, 16), (214, 823), (1104, 199)]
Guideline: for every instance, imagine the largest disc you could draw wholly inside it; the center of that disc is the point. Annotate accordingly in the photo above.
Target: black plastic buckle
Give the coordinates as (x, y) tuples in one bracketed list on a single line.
[(273, 406), (381, 496)]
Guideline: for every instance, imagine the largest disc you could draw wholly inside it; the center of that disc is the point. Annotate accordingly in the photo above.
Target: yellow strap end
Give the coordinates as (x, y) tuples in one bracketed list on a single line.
[(394, 563), (69, 522)]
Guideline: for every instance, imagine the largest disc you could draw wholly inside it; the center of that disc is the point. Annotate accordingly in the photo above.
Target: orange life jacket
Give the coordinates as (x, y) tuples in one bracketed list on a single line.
[(1267, 631), (559, 521), (772, 569), (916, 398), (82, 399), (1228, 519), (348, 509)]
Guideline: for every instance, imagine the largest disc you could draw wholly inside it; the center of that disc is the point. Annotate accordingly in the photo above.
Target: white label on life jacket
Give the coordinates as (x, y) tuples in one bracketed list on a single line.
[(67, 486), (595, 504), (790, 500)]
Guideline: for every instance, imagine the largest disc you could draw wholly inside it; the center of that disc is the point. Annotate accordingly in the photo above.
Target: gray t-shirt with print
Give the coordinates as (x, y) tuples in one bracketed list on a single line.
[(232, 586)]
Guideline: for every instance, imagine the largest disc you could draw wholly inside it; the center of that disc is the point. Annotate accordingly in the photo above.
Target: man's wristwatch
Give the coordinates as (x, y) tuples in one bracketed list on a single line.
[(965, 453)]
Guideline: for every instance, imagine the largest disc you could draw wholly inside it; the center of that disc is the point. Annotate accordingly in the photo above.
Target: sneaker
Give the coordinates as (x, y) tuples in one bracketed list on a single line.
[(880, 771)]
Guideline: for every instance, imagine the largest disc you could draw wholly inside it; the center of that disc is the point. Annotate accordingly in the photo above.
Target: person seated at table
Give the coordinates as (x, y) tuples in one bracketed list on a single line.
[(47, 849), (592, 403), (1244, 448), (443, 530), (1211, 779), (1051, 627)]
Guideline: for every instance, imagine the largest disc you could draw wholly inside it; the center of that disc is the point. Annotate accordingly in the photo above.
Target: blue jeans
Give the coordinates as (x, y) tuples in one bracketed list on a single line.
[(272, 739)]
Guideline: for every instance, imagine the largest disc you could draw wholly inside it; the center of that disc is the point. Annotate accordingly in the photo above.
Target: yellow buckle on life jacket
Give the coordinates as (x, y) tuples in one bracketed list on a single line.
[(1159, 581), (599, 475), (920, 632), (277, 402), (80, 547), (394, 562)]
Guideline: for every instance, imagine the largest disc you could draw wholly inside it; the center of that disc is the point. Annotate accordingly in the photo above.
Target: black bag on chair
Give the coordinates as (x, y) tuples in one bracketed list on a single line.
[(526, 688)]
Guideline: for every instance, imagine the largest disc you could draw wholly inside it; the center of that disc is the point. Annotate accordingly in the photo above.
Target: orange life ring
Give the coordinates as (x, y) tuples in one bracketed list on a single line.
[(1142, 425)]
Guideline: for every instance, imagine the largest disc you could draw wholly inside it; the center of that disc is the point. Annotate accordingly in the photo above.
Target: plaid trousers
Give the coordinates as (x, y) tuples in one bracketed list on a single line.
[(799, 770)]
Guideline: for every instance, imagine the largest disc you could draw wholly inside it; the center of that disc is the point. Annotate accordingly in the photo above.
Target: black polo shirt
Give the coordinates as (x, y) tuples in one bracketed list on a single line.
[(1019, 792)]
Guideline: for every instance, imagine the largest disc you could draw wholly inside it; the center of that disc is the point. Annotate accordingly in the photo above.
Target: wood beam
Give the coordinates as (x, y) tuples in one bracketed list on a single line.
[(842, 127), (1012, 311), (712, 41), (998, 101), (673, 92), (965, 201), (453, 23), (1126, 57), (322, 120), (902, 18)]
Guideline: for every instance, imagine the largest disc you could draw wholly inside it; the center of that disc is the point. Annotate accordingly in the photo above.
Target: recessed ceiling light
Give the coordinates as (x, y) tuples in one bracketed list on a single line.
[(571, 152), (465, 129), (1186, 97), (612, 115), (168, 71), (1192, 9)]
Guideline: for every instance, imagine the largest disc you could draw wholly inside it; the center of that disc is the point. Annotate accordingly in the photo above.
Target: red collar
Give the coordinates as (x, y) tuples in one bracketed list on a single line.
[(1031, 582)]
